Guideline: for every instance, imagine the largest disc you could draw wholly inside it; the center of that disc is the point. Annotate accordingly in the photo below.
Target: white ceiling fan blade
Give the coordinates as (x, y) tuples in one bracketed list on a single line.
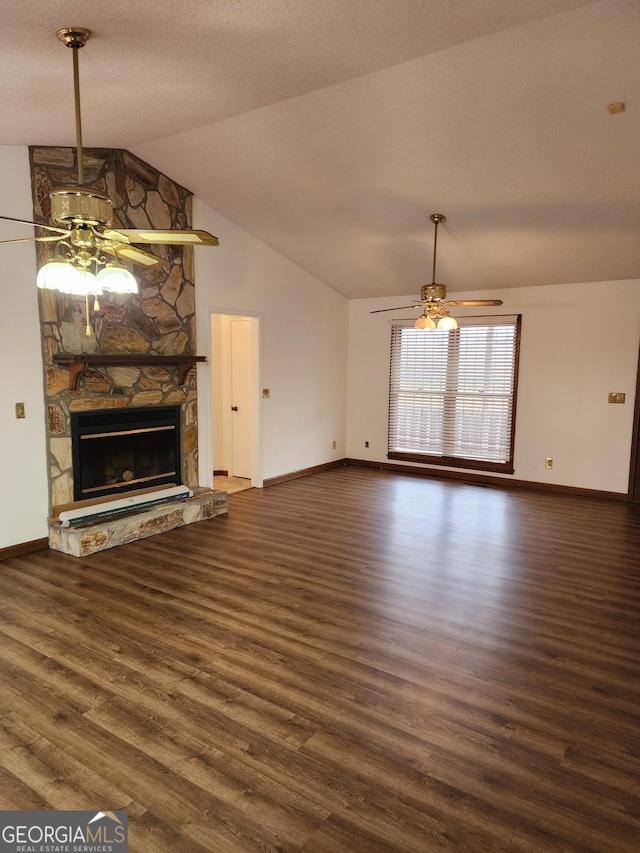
[(164, 237), (475, 303)]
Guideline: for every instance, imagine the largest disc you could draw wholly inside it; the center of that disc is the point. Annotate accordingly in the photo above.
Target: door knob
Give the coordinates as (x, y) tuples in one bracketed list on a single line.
[(234, 408)]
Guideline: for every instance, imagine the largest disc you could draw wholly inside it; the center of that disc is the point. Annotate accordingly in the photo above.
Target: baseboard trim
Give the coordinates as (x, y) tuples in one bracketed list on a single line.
[(483, 480), (24, 548), (315, 469)]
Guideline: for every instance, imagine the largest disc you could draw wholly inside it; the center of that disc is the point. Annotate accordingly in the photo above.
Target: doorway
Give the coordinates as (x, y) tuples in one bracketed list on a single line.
[(235, 401)]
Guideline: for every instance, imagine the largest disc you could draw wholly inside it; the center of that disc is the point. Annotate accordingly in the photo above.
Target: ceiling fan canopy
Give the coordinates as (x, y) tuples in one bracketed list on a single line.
[(89, 252), (433, 296)]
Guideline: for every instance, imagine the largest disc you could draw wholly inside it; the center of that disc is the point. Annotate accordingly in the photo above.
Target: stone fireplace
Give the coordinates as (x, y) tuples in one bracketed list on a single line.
[(160, 321), (136, 356)]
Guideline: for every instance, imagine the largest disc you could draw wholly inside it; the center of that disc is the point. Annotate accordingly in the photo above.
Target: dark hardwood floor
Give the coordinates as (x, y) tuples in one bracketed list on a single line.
[(353, 661)]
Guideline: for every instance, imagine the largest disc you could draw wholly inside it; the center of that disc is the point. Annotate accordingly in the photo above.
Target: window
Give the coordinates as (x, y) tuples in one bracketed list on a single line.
[(452, 394)]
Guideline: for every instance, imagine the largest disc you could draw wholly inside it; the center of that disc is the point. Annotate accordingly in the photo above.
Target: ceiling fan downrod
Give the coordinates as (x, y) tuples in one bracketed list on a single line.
[(433, 291), (75, 38), (436, 218), (83, 206)]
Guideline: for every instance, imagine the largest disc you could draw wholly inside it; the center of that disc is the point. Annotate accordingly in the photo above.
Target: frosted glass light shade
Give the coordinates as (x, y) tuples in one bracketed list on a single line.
[(59, 275), (64, 277), (88, 283), (424, 322), (447, 323), (116, 279)]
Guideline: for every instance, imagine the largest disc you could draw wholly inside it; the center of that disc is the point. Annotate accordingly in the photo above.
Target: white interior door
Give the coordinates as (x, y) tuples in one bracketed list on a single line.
[(241, 398)]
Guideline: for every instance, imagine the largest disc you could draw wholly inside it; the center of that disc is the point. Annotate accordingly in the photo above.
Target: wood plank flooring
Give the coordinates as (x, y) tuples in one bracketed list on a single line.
[(352, 661)]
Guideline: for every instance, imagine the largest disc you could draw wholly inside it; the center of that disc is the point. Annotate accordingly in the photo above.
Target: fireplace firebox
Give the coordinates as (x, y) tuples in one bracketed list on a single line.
[(117, 450)]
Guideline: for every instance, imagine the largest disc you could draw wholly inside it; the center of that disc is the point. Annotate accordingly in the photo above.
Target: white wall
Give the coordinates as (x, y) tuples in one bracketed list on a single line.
[(303, 347), (218, 373), (24, 494), (579, 342)]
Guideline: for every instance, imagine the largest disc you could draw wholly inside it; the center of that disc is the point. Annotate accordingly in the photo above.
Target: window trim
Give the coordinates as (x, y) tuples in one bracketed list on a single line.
[(506, 467)]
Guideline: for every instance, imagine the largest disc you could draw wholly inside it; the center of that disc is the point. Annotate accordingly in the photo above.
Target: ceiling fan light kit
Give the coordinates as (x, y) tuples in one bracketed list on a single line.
[(87, 260), (433, 297)]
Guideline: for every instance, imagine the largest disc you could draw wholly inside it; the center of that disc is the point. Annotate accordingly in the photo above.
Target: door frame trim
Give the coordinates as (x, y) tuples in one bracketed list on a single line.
[(256, 380), (634, 464)]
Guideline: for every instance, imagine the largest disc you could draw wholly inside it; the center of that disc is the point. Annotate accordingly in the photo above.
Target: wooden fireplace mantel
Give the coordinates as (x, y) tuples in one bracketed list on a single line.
[(78, 363)]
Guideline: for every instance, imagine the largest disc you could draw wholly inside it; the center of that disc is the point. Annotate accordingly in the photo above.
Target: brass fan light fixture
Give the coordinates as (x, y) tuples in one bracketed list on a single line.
[(433, 297), (89, 253)]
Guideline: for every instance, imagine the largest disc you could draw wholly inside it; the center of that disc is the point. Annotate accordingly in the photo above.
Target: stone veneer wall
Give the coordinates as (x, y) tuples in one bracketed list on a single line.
[(158, 321)]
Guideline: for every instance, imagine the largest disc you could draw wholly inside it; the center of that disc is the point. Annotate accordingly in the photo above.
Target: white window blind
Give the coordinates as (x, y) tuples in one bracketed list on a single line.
[(452, 393)]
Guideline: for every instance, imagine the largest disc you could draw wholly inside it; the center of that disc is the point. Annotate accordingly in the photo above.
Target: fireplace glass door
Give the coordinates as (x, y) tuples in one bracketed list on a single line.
[(116, 451)]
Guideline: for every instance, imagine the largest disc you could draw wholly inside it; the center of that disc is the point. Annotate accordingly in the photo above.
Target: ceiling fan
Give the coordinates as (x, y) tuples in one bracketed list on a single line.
[(81, 219), (433, 297)]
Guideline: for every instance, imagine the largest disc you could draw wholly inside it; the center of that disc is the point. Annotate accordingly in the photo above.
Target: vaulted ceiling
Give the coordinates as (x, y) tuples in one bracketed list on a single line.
[(332, 129)]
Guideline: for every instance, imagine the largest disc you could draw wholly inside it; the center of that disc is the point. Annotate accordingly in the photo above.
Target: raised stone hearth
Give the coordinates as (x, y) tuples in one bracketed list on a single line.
[(82, 541)]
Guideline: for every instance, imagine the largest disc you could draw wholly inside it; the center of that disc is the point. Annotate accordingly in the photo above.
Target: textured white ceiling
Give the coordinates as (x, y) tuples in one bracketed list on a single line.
[(332, 129)]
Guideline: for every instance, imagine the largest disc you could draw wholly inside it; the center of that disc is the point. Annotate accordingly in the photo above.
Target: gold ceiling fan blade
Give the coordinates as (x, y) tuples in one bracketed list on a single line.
[(50, 238), (137, 256), (165, 237), (475, 303), (35, 224), (401, 308)]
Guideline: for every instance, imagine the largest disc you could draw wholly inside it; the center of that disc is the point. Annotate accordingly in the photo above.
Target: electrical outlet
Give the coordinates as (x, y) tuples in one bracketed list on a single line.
[(548, 462), (335, 444), (366, 444), (266, 393), (20, 413)]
